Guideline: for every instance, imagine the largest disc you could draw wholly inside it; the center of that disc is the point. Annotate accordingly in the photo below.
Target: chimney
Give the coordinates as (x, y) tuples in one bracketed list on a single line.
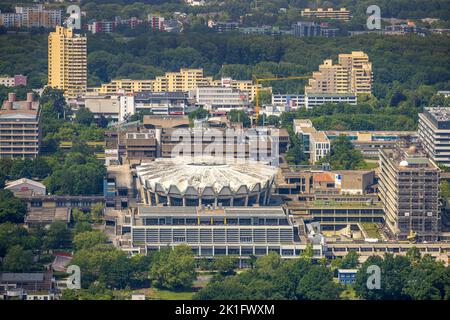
[(30, 97), (11, 97)]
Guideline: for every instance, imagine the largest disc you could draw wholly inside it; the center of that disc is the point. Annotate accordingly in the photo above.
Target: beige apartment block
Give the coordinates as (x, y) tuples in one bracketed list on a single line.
[(182, 81), (352, 74), (328, 13), (67, 62)]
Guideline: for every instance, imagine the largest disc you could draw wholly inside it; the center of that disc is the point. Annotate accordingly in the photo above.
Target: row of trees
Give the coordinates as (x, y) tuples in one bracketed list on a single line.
[(275, 278)]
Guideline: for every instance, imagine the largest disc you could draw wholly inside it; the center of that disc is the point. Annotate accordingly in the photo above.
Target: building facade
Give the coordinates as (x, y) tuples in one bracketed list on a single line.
[(240, 232), (306, 29), (353, 74), (20, 128), (409, 192), (220, 99), (67, 62), (329, 13), (16, 81), (31, 17), (434, 134), (316, 143)]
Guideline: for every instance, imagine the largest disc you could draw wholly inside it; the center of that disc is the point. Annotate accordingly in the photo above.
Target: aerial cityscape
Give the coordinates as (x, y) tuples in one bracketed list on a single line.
[(225, 150)]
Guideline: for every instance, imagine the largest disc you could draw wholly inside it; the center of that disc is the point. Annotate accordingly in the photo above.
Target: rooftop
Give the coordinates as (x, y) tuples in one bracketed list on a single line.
[(181, 173)]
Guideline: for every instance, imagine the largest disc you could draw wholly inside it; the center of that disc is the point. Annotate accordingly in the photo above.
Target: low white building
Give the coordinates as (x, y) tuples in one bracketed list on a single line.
[(310, 100)]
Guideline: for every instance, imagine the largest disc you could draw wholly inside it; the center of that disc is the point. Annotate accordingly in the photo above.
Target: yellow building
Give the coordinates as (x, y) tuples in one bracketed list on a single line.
[(329, 13), (353, 74), (67, 61), (182, 81), (126, 86)]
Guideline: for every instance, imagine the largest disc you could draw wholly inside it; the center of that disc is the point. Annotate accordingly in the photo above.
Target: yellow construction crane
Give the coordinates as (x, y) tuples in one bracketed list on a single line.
[(258, 82)]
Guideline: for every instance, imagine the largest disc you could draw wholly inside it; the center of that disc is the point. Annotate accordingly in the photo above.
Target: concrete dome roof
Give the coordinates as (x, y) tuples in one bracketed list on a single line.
[(205, 175)]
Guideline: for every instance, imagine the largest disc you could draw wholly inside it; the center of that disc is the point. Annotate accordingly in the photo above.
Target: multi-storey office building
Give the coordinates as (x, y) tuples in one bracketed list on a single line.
[(162, 103), (434, 134), (370, 142), (329, 13), (20, 128), (222, 100), (315, 142), (409, 192), (306, 29), (353, 74), (239, 232), (311, 100), (67, 61)]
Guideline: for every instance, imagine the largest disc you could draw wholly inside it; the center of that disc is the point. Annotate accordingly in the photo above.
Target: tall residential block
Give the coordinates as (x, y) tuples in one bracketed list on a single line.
[(31, 17), (353, 74), (67, 61), (20, 127), (409, 192), (434, 134)]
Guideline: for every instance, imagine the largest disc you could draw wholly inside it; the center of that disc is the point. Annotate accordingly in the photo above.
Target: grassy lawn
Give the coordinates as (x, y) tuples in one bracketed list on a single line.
[(159, 294), (369, 165), (372, 229)]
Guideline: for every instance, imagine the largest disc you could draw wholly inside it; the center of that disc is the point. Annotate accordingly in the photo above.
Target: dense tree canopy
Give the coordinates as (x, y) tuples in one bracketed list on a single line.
[(275, 278), (343, 155), (12, 209)]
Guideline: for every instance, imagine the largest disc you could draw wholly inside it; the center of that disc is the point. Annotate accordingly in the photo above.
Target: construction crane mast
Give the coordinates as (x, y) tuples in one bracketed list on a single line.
[(258, 81)]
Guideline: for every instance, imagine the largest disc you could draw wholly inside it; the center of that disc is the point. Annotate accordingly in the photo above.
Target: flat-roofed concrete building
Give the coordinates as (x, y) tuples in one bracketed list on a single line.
[(409, 192), (311, 100), (20, 127), (327, 13), (221, 99), (107, 106), (161, 103), (370, 142), (315, 142), (210, 232), (434, 134)]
